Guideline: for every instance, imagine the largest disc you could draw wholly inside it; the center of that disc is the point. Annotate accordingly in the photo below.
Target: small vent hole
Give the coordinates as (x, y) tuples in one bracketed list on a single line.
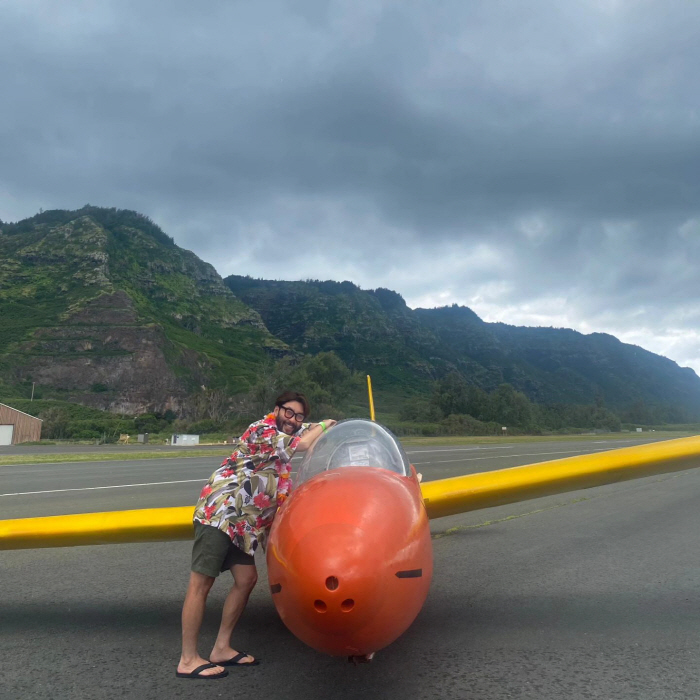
[(347, 605), (320, 606), (331, 583)]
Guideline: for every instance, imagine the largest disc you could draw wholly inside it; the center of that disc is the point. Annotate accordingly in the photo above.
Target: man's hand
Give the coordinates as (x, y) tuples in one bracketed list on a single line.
[(314, 433)]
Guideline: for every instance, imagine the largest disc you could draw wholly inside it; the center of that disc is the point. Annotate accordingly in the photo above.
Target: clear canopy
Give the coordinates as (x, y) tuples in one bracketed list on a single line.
[(354, 443)]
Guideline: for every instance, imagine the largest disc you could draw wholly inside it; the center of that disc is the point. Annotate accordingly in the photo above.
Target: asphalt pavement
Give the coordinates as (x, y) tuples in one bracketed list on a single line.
[(81, 487), (592, 594)]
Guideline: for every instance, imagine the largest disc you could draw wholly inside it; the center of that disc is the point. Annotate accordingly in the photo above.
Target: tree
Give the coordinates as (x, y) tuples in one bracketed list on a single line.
[(419, 410), (477, 403), (324, 378), (510, 407), (639, 412), (212, 404), (450, 394), (55, 423)]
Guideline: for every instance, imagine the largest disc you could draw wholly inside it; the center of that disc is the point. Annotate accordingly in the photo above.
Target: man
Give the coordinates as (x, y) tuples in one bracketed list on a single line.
[(232, 518)]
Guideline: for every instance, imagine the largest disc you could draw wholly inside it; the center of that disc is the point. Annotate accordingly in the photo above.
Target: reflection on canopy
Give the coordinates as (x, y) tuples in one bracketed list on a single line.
[(354, 443)]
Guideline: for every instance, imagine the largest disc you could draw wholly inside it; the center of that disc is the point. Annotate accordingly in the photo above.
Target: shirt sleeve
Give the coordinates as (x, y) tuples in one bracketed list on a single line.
[(263, 439), (287, 444)]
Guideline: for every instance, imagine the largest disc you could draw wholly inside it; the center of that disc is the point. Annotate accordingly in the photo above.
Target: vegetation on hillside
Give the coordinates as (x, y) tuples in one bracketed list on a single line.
[(454, 407), (374, 332), (99, 306), (101, 310)]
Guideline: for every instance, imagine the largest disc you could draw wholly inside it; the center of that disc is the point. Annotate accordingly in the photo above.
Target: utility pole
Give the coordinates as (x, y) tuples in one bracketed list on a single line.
[(32, 399)]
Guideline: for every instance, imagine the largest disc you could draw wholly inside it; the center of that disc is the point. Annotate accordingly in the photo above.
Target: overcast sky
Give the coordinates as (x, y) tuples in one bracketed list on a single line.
[(538, 162)]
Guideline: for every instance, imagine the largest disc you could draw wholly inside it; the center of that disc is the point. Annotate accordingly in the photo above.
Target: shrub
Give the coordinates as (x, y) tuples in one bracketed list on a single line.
[(201, 427), (461, 424)]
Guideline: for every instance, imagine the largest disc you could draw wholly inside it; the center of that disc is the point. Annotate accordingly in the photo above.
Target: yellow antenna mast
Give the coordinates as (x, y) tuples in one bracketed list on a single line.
[(371, 399)]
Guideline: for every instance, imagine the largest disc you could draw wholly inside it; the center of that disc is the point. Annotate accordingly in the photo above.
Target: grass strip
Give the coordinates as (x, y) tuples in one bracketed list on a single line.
[(10, 460)]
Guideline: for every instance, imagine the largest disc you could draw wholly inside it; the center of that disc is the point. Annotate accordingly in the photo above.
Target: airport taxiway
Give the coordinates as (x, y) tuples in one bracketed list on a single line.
[(592, 594)]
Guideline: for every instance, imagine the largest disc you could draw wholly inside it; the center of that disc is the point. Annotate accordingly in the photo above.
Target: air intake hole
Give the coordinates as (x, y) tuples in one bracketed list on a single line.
[(331, 583), (347, 605), (320, 606)]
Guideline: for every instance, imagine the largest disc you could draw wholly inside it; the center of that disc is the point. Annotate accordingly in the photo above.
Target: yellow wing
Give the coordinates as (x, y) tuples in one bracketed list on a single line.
[(460, 494), (442, 497)]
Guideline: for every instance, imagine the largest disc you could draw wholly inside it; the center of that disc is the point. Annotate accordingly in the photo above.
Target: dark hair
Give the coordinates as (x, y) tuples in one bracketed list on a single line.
[(287, 396)]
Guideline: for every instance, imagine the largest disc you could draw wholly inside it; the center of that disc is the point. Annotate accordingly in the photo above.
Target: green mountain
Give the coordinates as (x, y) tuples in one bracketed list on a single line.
[(100, 307), (375, 332), (369, 330)]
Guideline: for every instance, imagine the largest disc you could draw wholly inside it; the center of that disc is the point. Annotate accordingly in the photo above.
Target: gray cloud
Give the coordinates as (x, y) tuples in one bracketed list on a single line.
[(536, 161)]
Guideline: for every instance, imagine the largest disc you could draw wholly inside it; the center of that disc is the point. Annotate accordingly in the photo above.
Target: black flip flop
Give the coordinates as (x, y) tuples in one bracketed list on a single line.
[(236, 660), (197, 673)]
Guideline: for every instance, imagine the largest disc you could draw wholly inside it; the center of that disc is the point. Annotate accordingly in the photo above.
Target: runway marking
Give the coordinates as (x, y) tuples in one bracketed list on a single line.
[(614, 442), (534, 454), (512, 447), (122, 462), (203, 479), (462, 449), (97, 488), (161, 460)]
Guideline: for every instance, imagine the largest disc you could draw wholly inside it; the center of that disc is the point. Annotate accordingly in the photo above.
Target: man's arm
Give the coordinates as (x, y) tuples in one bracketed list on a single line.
[(313, 433)]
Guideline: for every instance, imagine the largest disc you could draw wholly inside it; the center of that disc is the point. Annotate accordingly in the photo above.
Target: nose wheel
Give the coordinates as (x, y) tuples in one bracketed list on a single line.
[(363, 659)]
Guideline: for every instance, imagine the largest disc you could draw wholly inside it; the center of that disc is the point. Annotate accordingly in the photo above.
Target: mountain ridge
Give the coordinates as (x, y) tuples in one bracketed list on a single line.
[(101, 307), (549, 365)]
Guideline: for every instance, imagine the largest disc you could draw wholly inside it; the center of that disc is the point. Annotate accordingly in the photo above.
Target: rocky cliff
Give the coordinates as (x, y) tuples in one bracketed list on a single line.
[(100, 307)]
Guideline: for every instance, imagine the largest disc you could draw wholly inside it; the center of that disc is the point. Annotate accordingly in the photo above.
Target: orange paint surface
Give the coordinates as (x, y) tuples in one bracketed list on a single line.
[(350, 559)]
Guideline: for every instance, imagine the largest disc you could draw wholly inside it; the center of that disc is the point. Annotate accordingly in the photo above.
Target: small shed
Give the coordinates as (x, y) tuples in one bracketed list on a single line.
[(16, 426), (183, 440)]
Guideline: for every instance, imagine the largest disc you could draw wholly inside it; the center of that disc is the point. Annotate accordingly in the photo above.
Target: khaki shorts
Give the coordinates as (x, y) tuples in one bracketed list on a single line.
[(214, 552)]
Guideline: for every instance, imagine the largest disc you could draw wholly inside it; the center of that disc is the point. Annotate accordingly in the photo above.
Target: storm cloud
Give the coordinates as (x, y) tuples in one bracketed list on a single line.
[(538, 162)]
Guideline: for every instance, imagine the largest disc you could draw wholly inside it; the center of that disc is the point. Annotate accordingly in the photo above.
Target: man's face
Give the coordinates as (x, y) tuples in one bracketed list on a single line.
[(289, 417)]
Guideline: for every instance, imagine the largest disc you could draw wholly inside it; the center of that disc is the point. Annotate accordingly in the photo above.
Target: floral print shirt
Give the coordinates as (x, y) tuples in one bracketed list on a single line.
[(243, 494)]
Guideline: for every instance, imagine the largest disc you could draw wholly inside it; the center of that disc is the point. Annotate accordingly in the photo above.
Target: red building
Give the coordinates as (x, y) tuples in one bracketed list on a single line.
[(16, 427)]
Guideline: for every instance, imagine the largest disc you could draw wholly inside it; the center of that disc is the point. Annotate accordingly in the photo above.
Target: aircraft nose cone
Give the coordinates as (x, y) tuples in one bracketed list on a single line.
[(349, 560), (335, 584)]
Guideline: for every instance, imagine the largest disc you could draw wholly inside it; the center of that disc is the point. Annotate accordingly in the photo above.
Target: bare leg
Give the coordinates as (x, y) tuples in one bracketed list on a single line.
[(192, 615), (245, 577)]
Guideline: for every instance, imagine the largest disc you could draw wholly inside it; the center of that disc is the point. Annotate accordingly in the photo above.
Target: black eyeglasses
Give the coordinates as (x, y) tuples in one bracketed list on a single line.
[(288, 413)]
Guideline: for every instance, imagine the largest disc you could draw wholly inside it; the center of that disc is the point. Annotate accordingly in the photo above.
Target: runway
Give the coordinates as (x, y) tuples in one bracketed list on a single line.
[(83, 487), (592, 594)]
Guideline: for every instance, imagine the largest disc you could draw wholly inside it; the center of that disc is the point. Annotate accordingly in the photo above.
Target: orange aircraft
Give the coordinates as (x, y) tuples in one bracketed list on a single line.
[(350, 556)]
